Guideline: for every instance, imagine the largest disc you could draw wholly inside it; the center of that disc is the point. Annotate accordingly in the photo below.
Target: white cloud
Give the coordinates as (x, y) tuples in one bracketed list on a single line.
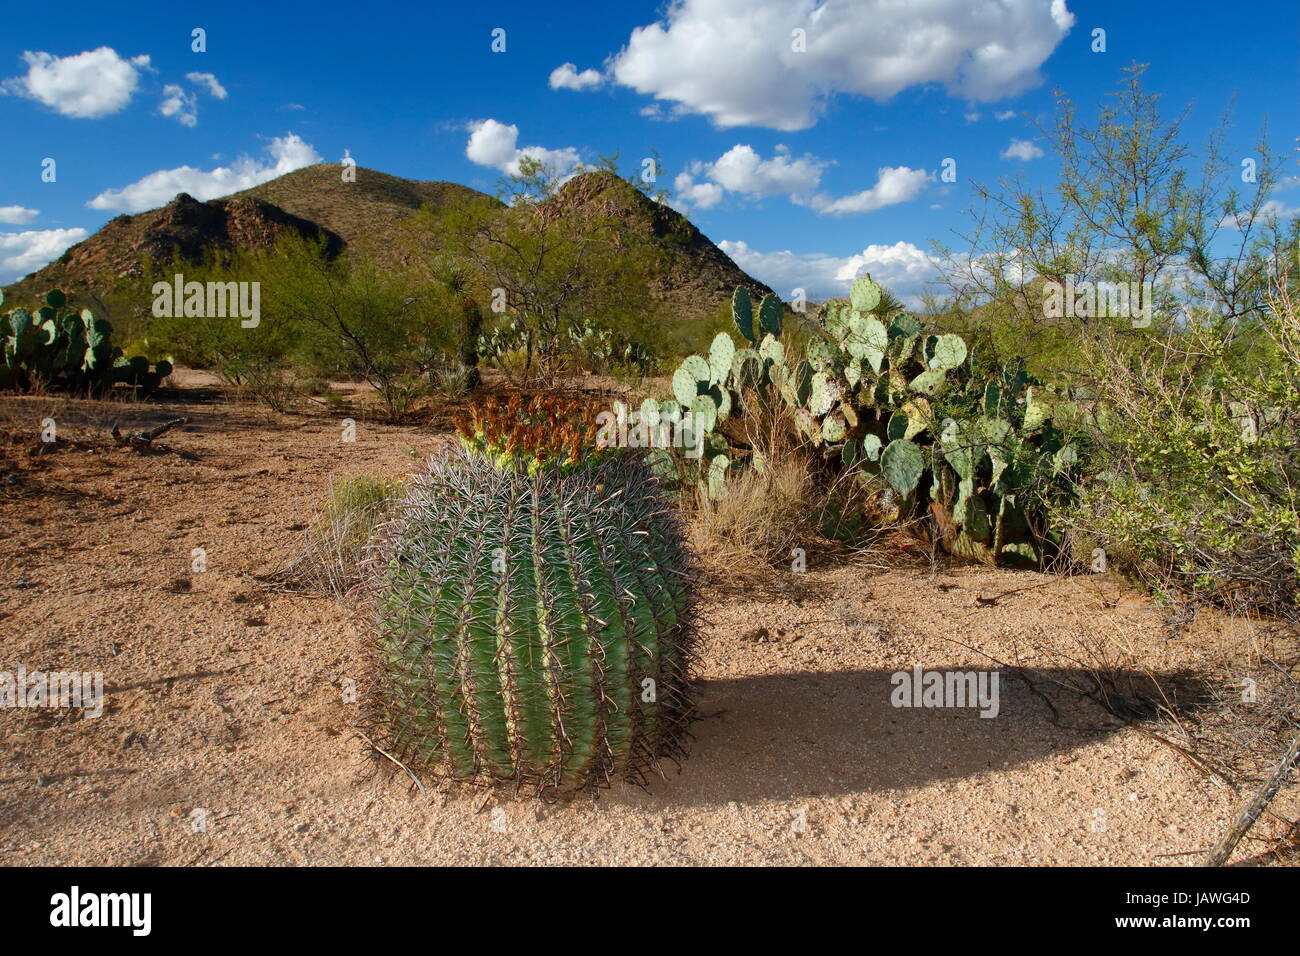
[(1003, 115), (689, 193), (893, 185), (1269, 211), (492, 143), (1021, 149), (288, 152), (743, 171), (210, 82), (18, 215), (567, 77), (179, 105), (903, 268), (24, 252), (734, 60), (85, 86), (973, 116)]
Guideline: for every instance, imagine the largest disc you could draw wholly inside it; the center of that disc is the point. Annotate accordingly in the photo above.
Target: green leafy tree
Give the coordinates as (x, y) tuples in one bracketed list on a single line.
[(1132, 203), (554, 270)]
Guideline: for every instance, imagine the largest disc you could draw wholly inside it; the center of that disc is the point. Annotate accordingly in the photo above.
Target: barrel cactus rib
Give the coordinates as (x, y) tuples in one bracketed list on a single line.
[(523, 660)]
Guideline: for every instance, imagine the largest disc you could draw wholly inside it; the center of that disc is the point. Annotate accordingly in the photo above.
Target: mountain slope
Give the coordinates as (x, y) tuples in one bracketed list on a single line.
[(696, 276), (372, 207), (184, 229)]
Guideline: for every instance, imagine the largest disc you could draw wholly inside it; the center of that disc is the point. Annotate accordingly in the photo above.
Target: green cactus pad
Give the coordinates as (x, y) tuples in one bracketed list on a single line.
[(902, 464), (929, 382), (867, 339), (718, 477), (742, 311), (904, 325), (945, 352), (690, 377), (864, 294), (704, 414), (897, 427), (721, 355), (721, 396), (772, 350), (769, 315)]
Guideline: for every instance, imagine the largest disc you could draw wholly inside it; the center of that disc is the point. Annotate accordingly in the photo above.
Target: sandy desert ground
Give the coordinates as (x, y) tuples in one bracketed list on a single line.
[(227, 733)]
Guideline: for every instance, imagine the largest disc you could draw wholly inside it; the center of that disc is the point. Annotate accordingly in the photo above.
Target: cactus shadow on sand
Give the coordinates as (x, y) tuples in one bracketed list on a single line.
[(814, 734)]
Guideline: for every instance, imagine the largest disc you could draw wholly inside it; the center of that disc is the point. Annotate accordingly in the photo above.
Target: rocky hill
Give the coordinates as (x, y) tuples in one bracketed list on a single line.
[(695, 275)]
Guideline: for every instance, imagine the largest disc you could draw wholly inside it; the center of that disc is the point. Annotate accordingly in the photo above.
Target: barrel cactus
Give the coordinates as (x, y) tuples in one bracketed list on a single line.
[(535, 609)]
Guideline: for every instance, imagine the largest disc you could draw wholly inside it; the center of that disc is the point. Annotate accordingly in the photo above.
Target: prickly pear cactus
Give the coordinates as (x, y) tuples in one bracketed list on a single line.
[(62, 348)]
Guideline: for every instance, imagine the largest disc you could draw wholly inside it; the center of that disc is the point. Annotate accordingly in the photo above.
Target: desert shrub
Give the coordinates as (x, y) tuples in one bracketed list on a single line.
[(1196, 486), (335, 542), (320, 317), (534, 609)]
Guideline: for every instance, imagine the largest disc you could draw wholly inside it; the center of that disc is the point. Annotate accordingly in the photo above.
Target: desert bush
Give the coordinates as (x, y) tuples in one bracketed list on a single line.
[(534, 607), (1196, 486), (321, 317)]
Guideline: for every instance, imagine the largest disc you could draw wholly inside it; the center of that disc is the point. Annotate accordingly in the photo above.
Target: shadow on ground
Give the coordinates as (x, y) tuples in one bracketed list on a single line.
[(809, 734)]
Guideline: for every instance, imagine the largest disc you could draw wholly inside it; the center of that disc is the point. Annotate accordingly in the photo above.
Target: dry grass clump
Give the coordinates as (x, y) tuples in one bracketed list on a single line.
[(334, 545), (793, 500)]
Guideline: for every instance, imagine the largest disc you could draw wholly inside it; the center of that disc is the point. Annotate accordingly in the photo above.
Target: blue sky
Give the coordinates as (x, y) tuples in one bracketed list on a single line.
[(808, 166)]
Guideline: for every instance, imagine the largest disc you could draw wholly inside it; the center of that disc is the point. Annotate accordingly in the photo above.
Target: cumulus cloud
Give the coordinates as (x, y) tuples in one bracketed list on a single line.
[(209, 82), (567, 77), (902, 267), (1003, 115), (690, 194), (893, 185), (179, 105), (18, 215), (85, 86), (741, 170), (288, 152), (495, 144), (1021, 149), (1269, 211), (876, 48), (24, 252)]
